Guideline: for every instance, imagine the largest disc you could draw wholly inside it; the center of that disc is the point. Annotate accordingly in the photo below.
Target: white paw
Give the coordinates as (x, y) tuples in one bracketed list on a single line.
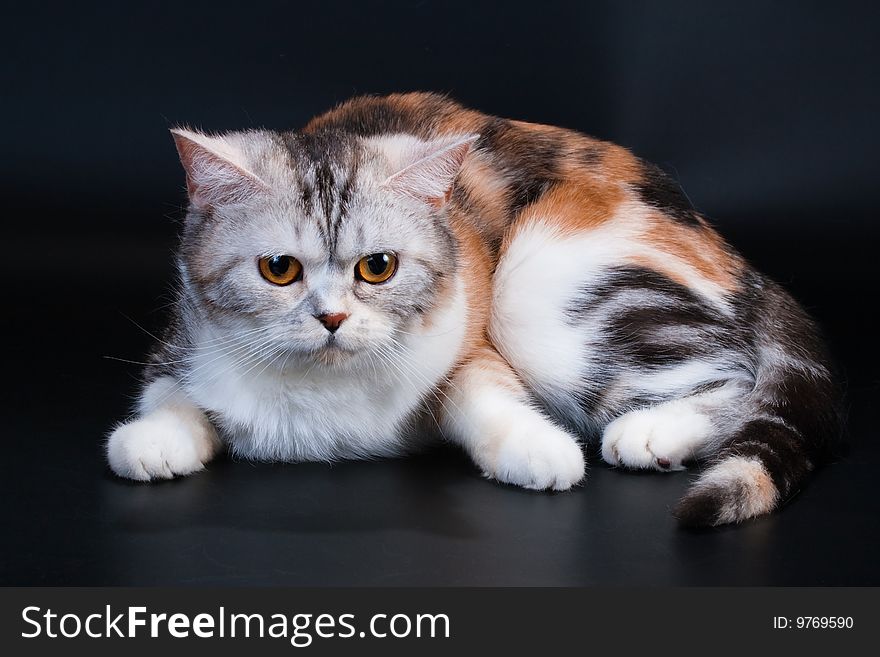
[(161, 445), (538, 455), (659, 438)]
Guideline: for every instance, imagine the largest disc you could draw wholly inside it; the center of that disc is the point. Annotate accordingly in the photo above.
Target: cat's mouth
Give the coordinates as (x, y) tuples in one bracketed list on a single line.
[(333, 351)]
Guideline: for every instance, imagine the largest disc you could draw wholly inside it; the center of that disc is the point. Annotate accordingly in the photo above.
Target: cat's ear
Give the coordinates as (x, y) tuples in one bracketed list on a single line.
[(426, 170), (215, 172)]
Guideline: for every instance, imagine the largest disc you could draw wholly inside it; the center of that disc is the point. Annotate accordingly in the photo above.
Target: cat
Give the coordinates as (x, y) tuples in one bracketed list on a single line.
[(404, 267)]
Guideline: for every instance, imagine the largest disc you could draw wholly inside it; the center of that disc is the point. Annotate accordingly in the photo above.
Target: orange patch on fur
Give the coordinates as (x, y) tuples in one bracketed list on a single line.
[(699, 247), (620, 165), (764, 493), (573, 207)]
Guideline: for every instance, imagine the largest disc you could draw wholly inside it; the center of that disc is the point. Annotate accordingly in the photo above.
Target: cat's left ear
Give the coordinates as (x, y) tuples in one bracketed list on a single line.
[(426, 170)]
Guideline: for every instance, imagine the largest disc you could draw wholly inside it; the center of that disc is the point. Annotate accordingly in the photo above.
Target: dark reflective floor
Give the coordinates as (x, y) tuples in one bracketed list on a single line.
[(425, 520)]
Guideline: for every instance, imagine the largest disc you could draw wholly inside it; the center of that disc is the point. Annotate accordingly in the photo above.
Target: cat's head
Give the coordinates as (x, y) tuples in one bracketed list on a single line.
[(327, 247)]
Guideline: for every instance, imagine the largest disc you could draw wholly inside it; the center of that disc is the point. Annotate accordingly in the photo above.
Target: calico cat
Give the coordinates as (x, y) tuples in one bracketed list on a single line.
[(405, 267)]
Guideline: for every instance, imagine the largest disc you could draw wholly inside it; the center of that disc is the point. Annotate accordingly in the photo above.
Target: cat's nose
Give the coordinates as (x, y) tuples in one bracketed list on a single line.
[(331, 321)]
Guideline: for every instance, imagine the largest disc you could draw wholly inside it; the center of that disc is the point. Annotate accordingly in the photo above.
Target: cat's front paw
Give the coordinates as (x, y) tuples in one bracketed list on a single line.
[(161, 445), (536, 454), (659, 438)]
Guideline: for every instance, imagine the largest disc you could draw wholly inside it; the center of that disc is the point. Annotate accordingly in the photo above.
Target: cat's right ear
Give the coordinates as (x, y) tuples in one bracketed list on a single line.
[(215, 171)]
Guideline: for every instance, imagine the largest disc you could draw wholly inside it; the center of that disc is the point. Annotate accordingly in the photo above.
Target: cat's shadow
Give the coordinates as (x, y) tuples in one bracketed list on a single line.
[(422, 493), (438, 492)]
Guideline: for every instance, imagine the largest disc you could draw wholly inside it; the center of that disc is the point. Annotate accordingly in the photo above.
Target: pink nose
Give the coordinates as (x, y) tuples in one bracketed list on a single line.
[(331, 321)]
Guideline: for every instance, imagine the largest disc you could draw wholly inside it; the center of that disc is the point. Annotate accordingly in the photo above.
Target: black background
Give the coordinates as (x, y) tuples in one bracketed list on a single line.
[(765, 112)]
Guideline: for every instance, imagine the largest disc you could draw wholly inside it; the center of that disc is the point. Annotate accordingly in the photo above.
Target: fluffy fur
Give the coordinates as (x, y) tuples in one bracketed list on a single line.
[(551, 289)]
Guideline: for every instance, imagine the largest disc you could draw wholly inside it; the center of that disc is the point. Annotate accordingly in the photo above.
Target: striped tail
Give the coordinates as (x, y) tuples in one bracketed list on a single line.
[(791, 422)]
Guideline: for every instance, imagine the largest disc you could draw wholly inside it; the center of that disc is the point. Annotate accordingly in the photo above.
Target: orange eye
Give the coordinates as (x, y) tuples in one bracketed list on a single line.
[(376, 268), (281, 269)]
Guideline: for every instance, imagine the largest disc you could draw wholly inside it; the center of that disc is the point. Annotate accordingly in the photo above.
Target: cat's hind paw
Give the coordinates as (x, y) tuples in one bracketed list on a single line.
[(659, 438), (161, 445)]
